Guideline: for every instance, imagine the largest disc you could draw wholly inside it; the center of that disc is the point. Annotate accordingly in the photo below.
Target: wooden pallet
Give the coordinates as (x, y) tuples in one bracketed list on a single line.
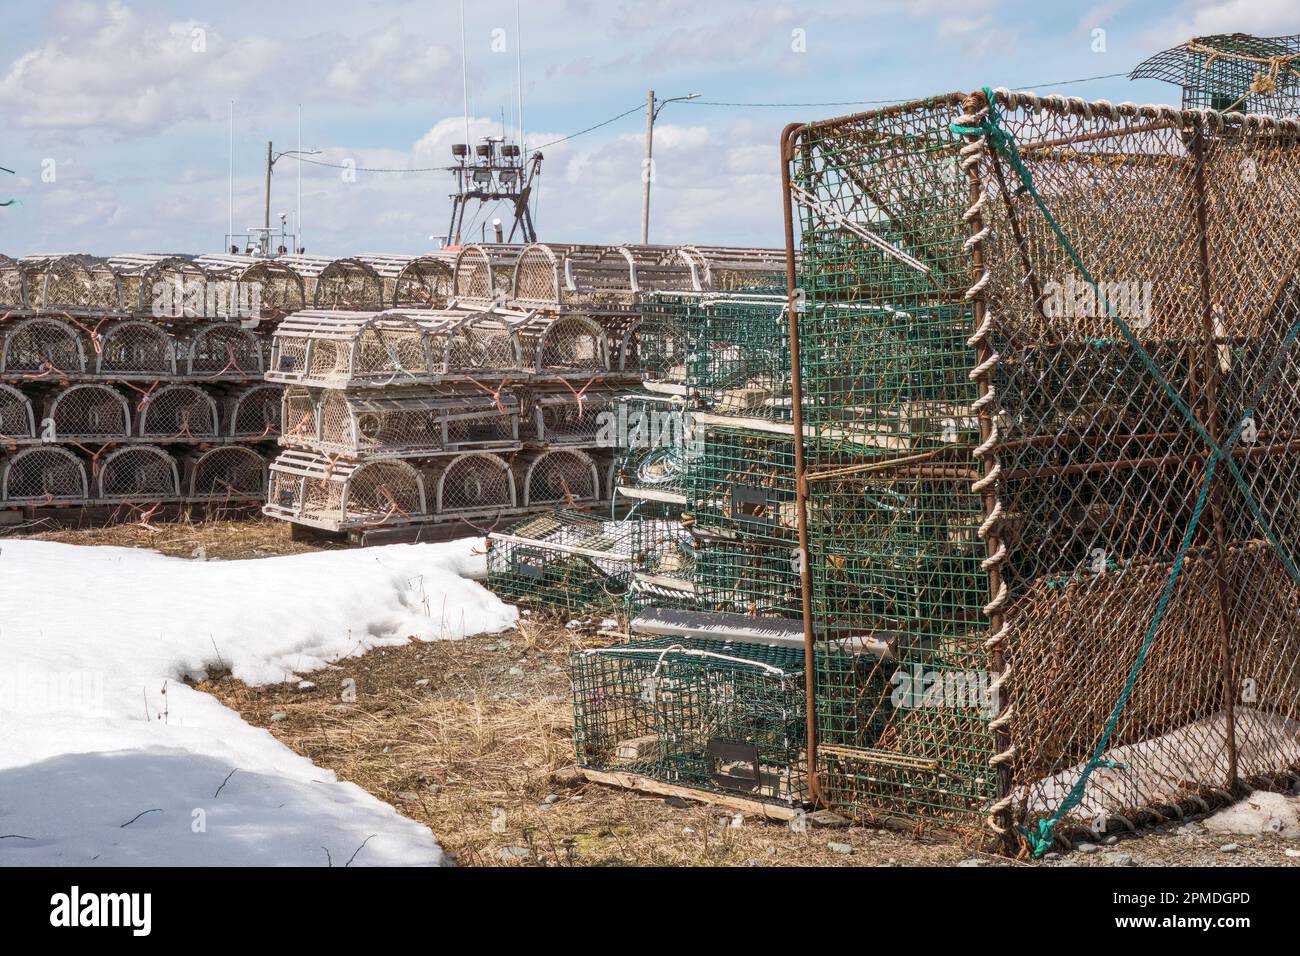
[(633, 781)]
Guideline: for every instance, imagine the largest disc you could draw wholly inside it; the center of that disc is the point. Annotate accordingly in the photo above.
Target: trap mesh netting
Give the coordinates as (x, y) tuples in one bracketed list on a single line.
[(702, 713), (1050, 394)]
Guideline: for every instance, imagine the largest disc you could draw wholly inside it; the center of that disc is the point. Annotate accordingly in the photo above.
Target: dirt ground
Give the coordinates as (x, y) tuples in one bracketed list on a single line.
[(473, 738)]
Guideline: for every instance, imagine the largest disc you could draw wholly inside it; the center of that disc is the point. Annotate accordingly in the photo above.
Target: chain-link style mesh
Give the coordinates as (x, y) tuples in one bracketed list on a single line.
[(255, 413), (135, 350), (138, 473), (40, 347), (561, 476), (178, 413), (563, 559), (227, 474), (44, 475), (224, 350), (17, 420), (710, 715), (473, 483), (88, 413), (1014, 467)]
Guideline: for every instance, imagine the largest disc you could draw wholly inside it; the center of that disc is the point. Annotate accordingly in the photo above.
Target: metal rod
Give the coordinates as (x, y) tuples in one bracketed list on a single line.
[(230, 194), (793, 310), (297, 224), (1211, 392), (266, 207)]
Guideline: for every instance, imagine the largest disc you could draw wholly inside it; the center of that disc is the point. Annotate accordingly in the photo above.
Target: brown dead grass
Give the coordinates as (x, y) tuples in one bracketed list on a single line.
[(215, 538), (465, 736)]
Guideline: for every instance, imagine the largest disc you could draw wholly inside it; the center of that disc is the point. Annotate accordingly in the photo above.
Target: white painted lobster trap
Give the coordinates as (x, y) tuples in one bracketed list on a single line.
[(338, 494), (402, 423)]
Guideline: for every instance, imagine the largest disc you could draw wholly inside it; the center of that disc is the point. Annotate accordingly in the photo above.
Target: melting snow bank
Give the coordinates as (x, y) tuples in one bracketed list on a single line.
[(107, 758)]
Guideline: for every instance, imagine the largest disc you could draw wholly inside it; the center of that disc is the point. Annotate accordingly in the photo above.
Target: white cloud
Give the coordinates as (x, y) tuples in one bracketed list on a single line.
[(1206, 17)]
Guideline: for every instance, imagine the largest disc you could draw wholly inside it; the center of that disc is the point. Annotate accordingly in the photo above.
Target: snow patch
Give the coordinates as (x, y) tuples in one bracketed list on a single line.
[(107, 758), (1260, 814)]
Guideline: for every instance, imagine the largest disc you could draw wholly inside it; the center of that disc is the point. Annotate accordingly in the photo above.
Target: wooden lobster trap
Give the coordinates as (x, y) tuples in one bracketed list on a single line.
[(137, 474), (86, 413), (339, 494), (44, 475), (133, 349), (178, 413), (561, 476), (409, 423), (471, 485), (223, 475), (41, 347), (17, 420)]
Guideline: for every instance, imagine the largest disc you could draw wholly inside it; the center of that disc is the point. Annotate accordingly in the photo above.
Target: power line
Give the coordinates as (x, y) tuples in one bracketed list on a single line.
[(641, 106), (1025, 86)]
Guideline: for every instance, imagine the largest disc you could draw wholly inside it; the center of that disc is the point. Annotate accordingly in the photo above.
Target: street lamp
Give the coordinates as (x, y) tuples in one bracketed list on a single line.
[(652, 109)]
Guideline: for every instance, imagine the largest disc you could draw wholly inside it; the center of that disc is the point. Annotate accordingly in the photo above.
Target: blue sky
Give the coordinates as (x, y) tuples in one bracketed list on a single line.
[(127, 103)]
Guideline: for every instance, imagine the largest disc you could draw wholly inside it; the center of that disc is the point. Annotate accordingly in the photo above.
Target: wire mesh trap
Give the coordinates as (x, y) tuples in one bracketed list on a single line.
[(73, 283), (719, 716), (482, 274), (135, 350), (254, 413), (87, 413), (222, 351), (337, 494), (225, 474), (17, 421), (138, 473), (40, 347), (1049, 394), (579, 561), (44, 475), (178, 413), (410, 423), (561, 476), (474, 484), (1232, 72)]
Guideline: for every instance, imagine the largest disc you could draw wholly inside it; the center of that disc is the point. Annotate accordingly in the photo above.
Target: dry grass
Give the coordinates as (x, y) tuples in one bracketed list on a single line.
[(465, 736), (219, 539)]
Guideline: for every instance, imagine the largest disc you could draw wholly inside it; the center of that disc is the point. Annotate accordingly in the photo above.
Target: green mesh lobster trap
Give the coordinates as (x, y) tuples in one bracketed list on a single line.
[(1050, 411), (722, 716), (1233, 71), (577, 561)]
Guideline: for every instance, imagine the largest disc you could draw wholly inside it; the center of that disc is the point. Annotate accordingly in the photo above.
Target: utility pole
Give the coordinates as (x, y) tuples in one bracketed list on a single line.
[(651, 112), (647, 166), (266, 209)]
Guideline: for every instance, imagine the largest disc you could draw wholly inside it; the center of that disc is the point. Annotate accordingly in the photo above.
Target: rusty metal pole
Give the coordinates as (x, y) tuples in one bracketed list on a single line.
[(1211, 406), (794, 302)]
